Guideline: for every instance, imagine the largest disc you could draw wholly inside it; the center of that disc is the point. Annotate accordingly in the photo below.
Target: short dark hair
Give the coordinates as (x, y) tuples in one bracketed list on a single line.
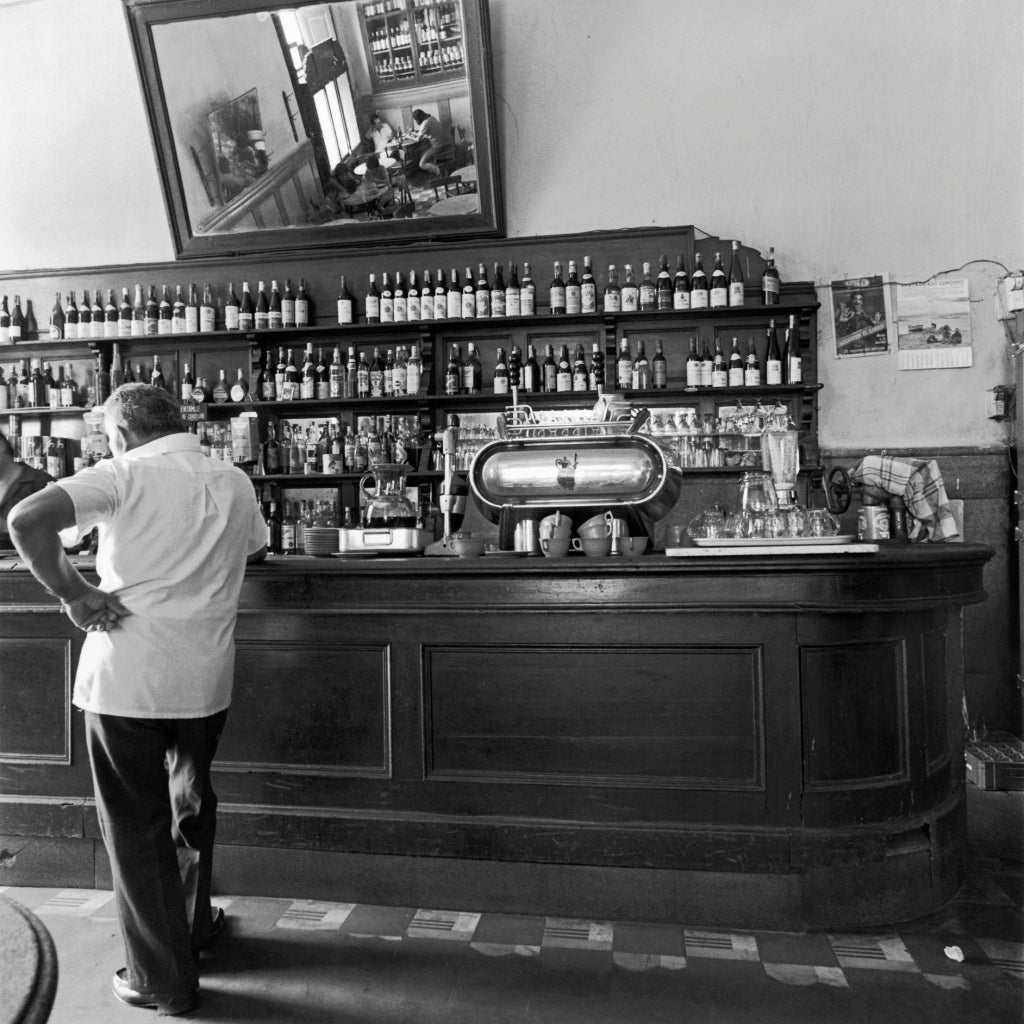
[(419, 115), (372, 162), (145, 410)]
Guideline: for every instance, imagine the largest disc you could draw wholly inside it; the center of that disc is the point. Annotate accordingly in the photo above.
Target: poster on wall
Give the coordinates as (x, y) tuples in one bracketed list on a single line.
[(861, 316), (933, 322)]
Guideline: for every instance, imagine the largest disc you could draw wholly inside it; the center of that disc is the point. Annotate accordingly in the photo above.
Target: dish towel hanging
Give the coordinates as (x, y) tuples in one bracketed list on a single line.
[(919, 483)]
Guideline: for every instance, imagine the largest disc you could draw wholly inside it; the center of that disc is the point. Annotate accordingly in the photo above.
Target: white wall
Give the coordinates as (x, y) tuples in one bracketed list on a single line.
[(856, 138)]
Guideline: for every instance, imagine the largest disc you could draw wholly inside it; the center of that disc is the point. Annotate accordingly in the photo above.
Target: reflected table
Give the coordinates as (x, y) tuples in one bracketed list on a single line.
[(468, 202)]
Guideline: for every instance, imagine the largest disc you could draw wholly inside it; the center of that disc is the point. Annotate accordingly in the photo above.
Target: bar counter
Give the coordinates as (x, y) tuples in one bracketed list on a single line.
[(770, 741)]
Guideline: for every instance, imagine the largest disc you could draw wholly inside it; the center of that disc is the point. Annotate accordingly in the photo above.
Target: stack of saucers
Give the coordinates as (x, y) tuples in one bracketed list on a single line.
[(320, 540)]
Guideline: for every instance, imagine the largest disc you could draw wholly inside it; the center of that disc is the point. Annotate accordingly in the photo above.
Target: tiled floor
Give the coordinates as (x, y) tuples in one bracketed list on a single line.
[(283, 961)]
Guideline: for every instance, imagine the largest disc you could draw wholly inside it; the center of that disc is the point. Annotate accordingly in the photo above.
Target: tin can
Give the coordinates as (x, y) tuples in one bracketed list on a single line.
[(873, 522)]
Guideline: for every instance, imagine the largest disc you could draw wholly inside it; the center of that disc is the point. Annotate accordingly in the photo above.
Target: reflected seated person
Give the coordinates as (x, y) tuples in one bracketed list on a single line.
[(374, 191)]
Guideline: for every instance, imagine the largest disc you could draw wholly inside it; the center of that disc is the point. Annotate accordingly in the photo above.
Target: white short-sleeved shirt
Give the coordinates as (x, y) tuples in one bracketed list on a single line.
[(175, 528)]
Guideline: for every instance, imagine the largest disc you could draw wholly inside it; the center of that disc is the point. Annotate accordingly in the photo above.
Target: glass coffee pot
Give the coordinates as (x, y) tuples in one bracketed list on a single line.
[(757, 493), (387, 506)]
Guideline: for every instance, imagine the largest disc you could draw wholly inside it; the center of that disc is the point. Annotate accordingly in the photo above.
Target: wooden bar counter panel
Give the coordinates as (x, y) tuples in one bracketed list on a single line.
[(769, 742)]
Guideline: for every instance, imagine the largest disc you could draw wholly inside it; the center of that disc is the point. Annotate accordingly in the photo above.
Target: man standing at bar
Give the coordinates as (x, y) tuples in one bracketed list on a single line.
[(155, 674)]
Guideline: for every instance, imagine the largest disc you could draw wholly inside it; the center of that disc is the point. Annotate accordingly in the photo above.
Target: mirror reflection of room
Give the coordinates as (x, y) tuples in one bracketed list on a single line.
[(321, 114)]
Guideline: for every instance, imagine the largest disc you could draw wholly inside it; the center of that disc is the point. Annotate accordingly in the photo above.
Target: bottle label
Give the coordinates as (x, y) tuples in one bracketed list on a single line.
[(796, 370), (736, 377), (557, 298), (613, 301), (513, 307), (376, 383), (719, 297), (138, 328), (707, 372), (245, 321), (719, 378), (497, 303), (624, 374), (412, 380), (178, 326), (287, 312), (269, 389), (191, 320), (681, 299), (426, 310), (573, 299), (752, 377), (261, 321), (647, 298), (468, 305), (528, 301), (773, 371), (630, 300), (399, 380), (237, 392), (588, 298), (580, 380), (736, 293), (483, 303), (770, 285), (501, 385), (301, 312), (467, 379), (660, 373), (454, 306), (344, 311), (414, 308), (699, 298), (274, 319), (401, 310)]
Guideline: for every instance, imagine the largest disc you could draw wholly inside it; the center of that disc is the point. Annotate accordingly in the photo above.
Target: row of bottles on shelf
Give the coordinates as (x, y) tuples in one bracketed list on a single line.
[(287, 522), (42, 452), (397, 36)]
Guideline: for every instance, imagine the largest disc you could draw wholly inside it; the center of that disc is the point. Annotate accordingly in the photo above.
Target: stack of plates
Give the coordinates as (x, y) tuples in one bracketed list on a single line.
[(320, 540)]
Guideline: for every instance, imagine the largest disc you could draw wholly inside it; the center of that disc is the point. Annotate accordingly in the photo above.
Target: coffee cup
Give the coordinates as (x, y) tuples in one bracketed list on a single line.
[(597, 526), (555, 524), (632, 545), (555, 546), (593, 545)]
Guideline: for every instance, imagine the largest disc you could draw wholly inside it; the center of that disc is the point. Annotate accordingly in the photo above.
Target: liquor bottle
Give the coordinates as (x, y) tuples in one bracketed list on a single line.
[(413, 371), (527, 293), (773, 357), (413, 303), (389, 374), (17, 321), (793, 361), (735, 365), (125, 315), (101, 381), (737, 280), (664, 285), (752, 367), (232, 310), (116, 368), (373, 301), (261, 315), (612, 294), (207, 312), (700, 296), (303, 306), (624, 366), (513, 297), (556, 292), (453, 298), (110, 316), (719, 290), (138, 324), (57, 320), (498, 301), (336, 376), (468, 295), (580, 377), (346, 304), (362, 377), (501, 384), (648, 292), (246, 316), (323, 377), (439, 309), (707, 365), (400, 373), (719, 367), (482, 293), (573, 292), (692, 365), (453, 373), (387, 300), (288, 528), (272, 450), (770, 283), (157, 376), (531, 371), (68, 392), (427, 299), (549, 371), (50, 390), (192, 311), (188, 382), (279, 375), (472, 372), (348, 449), (307, 383), (272, 516), (659, 367), (630, 293), (275, 318), (178, 325), (288, 305), (25, 385), (71, 318), (5, 323), (401, 300), (588, 288), (595, 379), (150, 313), (31, 328), (240, 389), (563, 374), (165, 314), (641, 379)]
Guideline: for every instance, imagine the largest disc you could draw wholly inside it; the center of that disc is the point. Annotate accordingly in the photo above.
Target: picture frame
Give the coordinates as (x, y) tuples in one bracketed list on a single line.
[(372, 122)]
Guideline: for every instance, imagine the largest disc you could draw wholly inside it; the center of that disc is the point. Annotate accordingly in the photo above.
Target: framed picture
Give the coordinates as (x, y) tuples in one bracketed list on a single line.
[(283, 126)]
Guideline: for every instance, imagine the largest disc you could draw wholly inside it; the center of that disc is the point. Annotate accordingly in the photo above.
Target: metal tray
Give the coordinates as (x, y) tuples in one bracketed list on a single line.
[(772, 542), (402, 540)]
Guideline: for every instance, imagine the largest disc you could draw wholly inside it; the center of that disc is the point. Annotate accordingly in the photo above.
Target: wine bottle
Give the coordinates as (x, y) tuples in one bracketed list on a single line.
[(346, 304), (116, 368), (549, 371), (719, 367), (96, 328), (157, 376), (737, 279), (261, 314), (453, 298), (151, 319), (472, 372), (373, 301), (556, 292), (630, 293), (659, 367), (275, 319), (648, 293), (71, 318), (735, 365), (612, 294), (664, 285), (287, 305), (771, 285), (303, 306), (164, 316), (31, 329), (110, 316), (751, 367), (531, 371), (501, 384), (307, 383), (719, 291), (101, 378), (413, 371), (773, 357), (178, 322), (323, 377), (453, 372), (596, 377), (387, 300), (580, 377), (700, 296), (707, 365), (573, 292), (513, 295), (624, 365), (138, 313), (291, 388), (468, 295), (413, 302), (400, 373), (427, 299), (563, 374), (5, 335), (482, 293), (192, 310), (793, 362), (692, 366), (498, 292), (18, 320), (56, 320), (527, 293), (641, 379), (401, 301), (125, 315)]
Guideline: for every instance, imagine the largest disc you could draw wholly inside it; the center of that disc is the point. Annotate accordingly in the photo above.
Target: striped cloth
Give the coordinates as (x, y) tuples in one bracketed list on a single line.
[(919, 483)]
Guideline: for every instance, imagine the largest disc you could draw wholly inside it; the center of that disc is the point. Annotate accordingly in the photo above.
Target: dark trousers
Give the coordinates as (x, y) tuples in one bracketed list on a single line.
[(157, 812)]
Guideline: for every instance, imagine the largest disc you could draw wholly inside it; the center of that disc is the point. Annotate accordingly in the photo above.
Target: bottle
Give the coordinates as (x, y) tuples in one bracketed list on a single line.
[(707, 365), (291, 387), (31, 329), (336, 376), (659, 367), (735, 365), (531, 377), (246, 309), (556, 292), (5, 323), (272, 517), (18, 321), (387, 300), (793, 362), (692, 366), (71, 318), (700, 295), (719, 367), (165, 314), (453, 298), (101, 382), (232, 309), (580, 377), (773, 357), (641, 379), (427, 311), (648, 293), (401, 303), (413, 303), (588, 288), (151, 313), (303, 306), (527, 293), (57, 320), (98, 320), (563, 373), (468, 295), (389, 373), (737, 281), (413, 371), (482, 293), (240, 389), (752, 367), (400, 373), (307, 382), (373, 301), (288, 305), (192, 311), (501, 384), (157, 376), (472, 372), (261, 315), (5, 394), (573, 292), (323, 377), (612, 293), (124, 315), (595, 379), (513, 297), (630, 294), (498, 300), (288, 528), (624, 366), (346, 304), (138, 321), (274, 316), (453, 373), (664, 286), (110, 316), (51, 392), (178, 324), (117, 369), (771, 285), (362, 377), (272, 450), (719, 290)]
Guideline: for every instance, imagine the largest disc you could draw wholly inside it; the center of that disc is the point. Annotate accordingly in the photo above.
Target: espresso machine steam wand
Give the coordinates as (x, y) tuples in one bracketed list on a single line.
[(452, 500)]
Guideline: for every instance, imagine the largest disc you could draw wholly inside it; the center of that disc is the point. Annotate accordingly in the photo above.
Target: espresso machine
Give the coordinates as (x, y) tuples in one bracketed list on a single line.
[(454, 494)]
